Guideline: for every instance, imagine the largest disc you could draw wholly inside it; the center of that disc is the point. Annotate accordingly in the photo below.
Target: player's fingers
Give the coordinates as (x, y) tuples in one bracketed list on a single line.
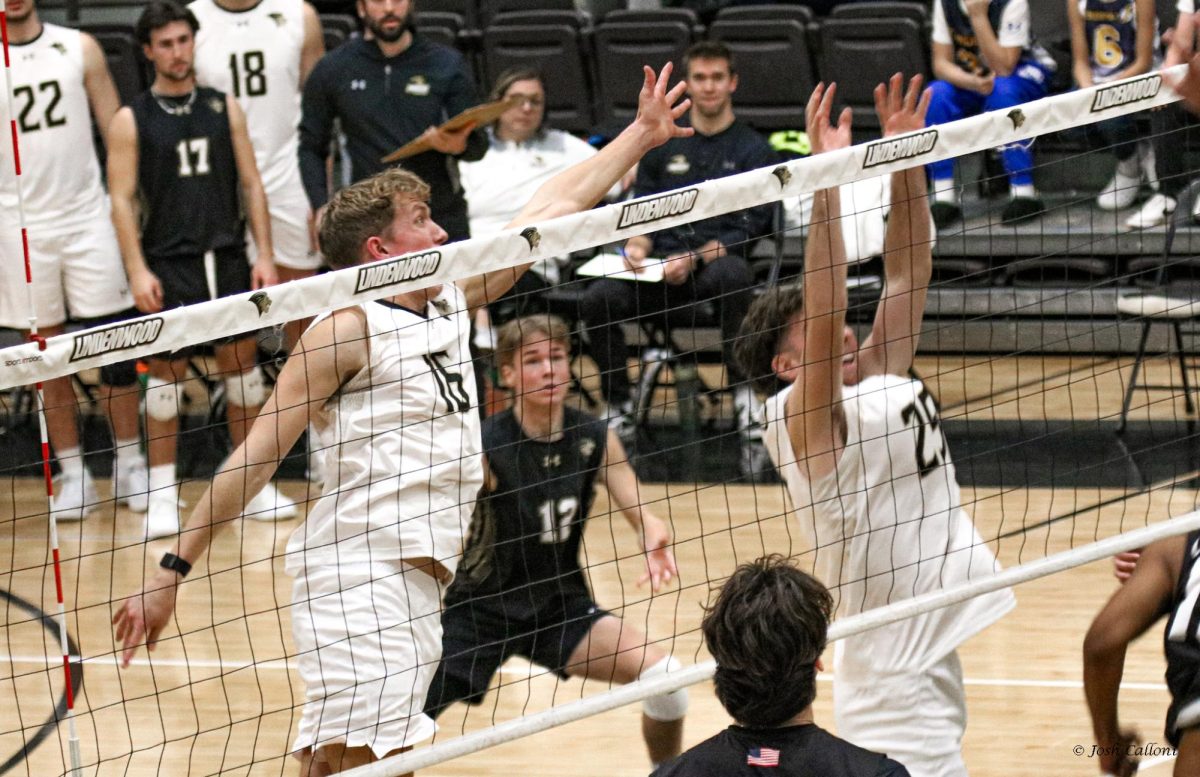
[(923, 104), (814, 103), (895, 92), (913, 95), (844, 119), (681, 109), (648, 83), (664, 76), (881, 109), (676, 92)]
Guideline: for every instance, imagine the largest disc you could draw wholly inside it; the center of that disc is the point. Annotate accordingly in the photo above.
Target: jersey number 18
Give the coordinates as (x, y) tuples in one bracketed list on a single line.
[(249, 76)]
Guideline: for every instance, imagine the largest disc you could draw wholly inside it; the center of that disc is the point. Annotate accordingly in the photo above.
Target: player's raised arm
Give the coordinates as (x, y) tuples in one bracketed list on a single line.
[(328, 354), (1129, 613), (812, 407), (581, 186), (908, 246), (625, 492)]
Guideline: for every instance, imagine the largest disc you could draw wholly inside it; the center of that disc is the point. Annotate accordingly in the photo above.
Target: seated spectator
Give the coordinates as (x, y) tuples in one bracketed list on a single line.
[(522, 155), (766, 631), (1166, 128), (985, 59), (704, 260), (1110, 41)]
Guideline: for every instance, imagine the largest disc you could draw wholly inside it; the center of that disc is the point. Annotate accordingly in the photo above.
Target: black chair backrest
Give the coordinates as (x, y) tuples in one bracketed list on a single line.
[(130, 70), (443, 19), (859, 54), (800, 13), (883, 9), (337, 28), (540, 16), (652, 16), (765, 50), (621, 50), (559, 52), (467, 10), (490, 9)]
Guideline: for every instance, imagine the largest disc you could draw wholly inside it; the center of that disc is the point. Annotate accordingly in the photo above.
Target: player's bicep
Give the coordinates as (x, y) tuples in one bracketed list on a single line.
[(98, 83), (314, 43)]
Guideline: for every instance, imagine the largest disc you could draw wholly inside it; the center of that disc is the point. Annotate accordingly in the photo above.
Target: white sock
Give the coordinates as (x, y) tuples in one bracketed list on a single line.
[(1024, 190), (71, 461), (162, 476), (945, 191), (129, 454)]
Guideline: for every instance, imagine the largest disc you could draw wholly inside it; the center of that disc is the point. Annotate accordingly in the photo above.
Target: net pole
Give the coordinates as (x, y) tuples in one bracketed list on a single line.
[(43, 431), (842, 628)]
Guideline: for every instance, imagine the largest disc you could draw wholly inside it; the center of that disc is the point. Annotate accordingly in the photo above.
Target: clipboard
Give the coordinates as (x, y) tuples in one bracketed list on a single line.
[(479, 115), (613, 266)]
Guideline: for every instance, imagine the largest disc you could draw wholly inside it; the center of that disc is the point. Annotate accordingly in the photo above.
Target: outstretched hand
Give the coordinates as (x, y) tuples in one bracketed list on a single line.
[(141, 618), (660, 560), (901, 110), (658, 109), (1182, 50), (823, 135)]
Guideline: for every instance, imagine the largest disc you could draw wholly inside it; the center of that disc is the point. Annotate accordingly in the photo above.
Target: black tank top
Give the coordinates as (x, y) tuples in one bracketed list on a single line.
[(543, 495), (1182, 642), (187, 174)]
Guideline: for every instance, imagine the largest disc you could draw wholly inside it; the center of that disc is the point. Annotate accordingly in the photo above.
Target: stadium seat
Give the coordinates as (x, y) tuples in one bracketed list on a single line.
[(338, 28), (129, 69), (621, 49), (571, 18), (859, 54), (490, 9), (764, 49), (124, 12), (467, 10), (883, 9), (559, 51)]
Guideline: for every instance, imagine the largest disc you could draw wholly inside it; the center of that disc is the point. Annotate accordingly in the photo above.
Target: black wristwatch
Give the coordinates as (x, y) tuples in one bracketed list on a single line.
[(175, 564)]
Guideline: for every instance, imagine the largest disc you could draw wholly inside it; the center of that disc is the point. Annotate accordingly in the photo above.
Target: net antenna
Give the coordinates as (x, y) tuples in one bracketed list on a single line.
[(43, 432), (412, 761)]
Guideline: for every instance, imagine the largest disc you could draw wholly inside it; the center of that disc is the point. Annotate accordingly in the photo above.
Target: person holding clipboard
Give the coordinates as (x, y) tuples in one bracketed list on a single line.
[(387, 91)]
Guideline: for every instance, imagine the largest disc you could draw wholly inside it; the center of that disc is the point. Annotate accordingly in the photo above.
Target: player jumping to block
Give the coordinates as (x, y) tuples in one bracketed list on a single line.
[(522, 591), (860, 446), (389, 383)]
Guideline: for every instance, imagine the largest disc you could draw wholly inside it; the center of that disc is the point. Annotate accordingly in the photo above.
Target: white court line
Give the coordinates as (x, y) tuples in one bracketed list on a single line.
[(518, 668)]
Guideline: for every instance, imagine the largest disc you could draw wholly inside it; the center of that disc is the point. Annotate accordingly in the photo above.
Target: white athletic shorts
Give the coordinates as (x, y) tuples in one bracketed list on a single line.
[(77, 272), (368, 640), (917, 718), (288, 206)]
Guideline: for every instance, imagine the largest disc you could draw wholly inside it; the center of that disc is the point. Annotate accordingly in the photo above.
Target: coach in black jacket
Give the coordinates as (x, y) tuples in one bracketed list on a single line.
[(386, 92), (706, 260)]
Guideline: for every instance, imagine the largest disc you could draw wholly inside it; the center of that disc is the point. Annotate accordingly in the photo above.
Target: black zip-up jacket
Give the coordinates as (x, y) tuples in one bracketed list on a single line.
[(383, 103)]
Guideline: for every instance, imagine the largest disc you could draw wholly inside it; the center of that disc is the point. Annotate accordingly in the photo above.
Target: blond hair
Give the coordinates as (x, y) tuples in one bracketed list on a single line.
[(363, 210), (530, 329)]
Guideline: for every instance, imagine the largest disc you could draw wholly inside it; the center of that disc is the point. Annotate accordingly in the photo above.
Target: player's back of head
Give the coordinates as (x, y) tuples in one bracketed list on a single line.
[(767, 630)]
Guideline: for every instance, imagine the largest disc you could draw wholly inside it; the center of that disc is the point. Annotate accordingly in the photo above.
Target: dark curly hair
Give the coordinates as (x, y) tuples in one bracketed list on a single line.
[(758, 341), (766, 631)]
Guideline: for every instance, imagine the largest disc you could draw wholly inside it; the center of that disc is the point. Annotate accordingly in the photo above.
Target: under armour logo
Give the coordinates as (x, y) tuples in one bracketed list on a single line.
[(358, 85)]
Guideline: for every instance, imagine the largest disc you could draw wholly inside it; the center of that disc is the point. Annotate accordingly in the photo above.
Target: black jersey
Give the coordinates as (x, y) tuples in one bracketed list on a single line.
[(794, 751), (543, 495), (187, 174), (1182, 645)]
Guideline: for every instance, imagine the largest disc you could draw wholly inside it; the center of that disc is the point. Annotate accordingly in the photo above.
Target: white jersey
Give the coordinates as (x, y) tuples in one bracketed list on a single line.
[(59, 172), (402, 450), (254, 55), (888, 524)]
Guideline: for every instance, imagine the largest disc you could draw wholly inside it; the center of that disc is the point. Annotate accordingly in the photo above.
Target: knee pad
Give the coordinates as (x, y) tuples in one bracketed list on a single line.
[(668, 706), (119, 374), (162, 399), (248, 389)]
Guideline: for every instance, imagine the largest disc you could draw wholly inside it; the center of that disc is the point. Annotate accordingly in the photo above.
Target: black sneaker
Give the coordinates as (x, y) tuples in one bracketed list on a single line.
[(945, 213), (1020, 209)]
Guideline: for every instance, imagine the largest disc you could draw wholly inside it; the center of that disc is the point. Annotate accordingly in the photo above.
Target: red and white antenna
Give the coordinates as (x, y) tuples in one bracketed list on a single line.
[(72, 733)]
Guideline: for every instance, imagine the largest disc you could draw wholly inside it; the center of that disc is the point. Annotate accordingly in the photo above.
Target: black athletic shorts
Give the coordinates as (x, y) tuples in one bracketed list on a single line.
[(477, 638), (186, 281)]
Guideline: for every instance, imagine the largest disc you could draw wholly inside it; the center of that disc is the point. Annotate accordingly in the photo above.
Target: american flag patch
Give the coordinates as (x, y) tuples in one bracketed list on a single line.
[(762, 756)]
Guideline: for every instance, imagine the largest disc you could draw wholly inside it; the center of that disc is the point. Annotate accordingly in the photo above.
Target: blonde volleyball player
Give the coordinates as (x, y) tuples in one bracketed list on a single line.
[(523, 591), (384, 380), (859, 444), (58, 74), (261, 52)]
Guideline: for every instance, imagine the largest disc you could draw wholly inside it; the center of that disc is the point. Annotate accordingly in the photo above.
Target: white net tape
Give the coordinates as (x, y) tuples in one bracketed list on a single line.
[(174, 329)]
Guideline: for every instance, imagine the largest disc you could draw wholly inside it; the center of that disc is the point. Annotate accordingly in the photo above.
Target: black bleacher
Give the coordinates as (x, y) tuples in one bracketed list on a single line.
[(591, 63)]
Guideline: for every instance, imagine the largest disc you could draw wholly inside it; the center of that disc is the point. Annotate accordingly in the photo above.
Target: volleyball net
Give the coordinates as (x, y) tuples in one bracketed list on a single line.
[(1027, 345)]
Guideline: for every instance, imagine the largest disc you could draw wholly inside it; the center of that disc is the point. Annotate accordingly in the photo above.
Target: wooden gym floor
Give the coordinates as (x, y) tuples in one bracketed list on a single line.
[(222, 701)]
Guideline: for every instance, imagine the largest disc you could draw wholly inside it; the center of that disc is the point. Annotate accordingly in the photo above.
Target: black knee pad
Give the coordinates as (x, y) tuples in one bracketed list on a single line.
[(119, 374)]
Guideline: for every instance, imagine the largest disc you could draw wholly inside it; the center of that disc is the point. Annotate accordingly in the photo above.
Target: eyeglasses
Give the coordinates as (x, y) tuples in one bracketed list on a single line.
[(527, 100)]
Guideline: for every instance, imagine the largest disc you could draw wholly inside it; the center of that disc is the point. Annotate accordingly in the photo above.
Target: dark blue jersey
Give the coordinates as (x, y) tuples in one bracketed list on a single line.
[(1110, 28)]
